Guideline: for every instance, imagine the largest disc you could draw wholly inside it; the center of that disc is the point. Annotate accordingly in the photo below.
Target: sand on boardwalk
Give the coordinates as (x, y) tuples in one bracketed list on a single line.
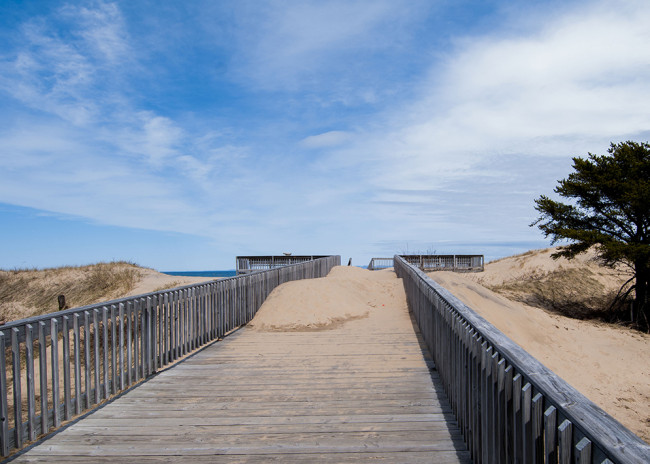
[(347, 293), (607, 364), (151, 281)]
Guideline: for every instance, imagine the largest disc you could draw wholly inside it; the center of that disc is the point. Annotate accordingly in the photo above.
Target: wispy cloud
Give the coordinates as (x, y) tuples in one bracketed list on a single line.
[(326, 139), (570, 84), (282, 125)]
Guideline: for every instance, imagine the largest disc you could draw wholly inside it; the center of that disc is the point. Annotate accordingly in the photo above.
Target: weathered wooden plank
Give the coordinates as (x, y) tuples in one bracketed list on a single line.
[(129, 343), (550, 434), (583, 452), (54, 331), (192, 448), (537, 427), (399, 457), (122, 370), (67, 406), (87, 360), (251, 420), (565, 442), (517, 431), (526, 422), (18, 397), (77, 363), (31, 393), (42, 358), (114, 355), (4, 407), (97, 356), (105, 350)]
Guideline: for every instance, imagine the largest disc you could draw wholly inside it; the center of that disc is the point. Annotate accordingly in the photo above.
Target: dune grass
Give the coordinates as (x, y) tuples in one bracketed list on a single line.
[(572, 292), (31, 292)]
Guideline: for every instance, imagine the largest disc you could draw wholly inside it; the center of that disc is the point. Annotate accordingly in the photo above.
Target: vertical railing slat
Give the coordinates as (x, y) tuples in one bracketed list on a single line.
[(114, 335), (54, 338), (76, 336), (18, 397), (31, 390), (129, 340), (565, 442), (87, 359), (122, 371), (105, 369), (583, 452), (4, 407), (42, 361), (95, 334), (67, 406), (550, 434), (537, 425)]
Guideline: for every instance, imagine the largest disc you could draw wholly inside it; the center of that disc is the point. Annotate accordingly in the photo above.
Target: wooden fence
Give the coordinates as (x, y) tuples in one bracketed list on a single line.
[(59, 365), (250, 264), (510, 408), (380, 263), (428, 263), (457, 263)]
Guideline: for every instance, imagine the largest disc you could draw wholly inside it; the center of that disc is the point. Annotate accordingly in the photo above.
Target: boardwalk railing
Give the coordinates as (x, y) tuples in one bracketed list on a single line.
[(510, 408), (466, 263), (59, 365), (380, 263), (250, 264)]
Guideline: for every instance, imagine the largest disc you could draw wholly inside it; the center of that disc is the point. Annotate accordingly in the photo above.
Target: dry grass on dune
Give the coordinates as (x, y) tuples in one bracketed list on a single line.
[(29, 292), (580, 288)]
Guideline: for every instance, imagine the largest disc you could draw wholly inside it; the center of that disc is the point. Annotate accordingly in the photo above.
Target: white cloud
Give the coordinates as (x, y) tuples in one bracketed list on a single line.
[(317, 45), (568, 86), (326, 139), (103, 31)]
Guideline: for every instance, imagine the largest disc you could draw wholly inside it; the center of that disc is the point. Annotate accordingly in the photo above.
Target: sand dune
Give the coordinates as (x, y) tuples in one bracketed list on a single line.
[(317, 304), (151, 281), (607, 363)]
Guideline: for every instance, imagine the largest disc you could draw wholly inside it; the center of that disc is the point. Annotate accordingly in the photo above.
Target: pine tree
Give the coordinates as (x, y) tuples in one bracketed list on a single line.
[(609, 208)]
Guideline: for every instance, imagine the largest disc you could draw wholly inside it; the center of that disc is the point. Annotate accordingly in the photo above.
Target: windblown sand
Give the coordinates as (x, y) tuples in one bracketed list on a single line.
[(607, 364)]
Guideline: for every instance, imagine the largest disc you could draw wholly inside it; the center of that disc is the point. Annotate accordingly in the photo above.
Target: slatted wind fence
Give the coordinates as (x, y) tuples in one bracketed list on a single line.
[(510, 408), (59, 365)]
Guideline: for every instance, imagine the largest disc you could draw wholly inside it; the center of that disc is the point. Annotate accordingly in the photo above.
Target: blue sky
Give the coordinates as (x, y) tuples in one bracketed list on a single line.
[(180, 134)]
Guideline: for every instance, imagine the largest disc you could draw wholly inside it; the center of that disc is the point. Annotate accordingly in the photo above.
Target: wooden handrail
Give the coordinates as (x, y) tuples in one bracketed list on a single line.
[(510, 407), (87, 354)]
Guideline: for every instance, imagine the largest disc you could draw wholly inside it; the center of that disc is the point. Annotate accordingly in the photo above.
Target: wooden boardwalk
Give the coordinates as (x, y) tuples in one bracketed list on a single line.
[(361, 392)]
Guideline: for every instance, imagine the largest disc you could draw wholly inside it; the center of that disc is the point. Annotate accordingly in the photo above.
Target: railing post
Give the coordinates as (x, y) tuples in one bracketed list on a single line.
[(4, 408)]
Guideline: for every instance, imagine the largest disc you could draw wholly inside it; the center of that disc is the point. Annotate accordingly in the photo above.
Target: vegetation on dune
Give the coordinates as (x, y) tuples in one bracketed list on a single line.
[(609, 208), (29, 292), (574, 292)]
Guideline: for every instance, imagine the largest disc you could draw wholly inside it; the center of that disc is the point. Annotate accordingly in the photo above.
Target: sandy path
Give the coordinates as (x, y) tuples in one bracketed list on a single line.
[(609, 365)]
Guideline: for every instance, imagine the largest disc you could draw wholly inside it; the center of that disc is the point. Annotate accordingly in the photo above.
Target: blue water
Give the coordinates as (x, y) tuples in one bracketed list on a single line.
[(229, 273)]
